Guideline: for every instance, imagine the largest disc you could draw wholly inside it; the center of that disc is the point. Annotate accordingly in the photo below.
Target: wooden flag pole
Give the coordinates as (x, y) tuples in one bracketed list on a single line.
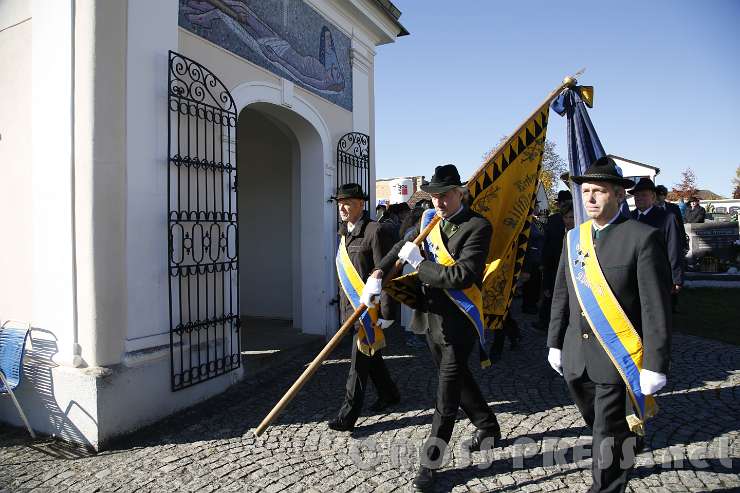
[(343, 330), (319, 359)]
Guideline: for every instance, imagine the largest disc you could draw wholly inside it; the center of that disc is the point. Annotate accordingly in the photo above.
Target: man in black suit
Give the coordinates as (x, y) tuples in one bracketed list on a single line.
[(451, 336), (555, 229), (366, 245), (634, 262), (647, 212), (695, 213)]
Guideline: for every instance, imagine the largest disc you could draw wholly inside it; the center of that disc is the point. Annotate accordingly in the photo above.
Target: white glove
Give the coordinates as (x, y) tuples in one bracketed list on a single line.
[(384, 324), (372, 288), (651, 382), (410, 253), (553, 357)]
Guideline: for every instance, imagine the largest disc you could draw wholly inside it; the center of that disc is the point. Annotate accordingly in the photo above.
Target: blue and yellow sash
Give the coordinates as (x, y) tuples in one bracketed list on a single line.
[(610, 324), (370, 336)]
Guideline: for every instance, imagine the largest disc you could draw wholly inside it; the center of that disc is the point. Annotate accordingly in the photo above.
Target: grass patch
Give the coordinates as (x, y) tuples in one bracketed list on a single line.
[(713, 313)]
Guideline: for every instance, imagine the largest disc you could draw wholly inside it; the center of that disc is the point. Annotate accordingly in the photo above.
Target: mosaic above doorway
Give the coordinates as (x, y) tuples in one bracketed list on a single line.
[(286, 37)]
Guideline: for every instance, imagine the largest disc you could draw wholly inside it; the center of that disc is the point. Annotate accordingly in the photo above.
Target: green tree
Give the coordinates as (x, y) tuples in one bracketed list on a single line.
[(736, 182)]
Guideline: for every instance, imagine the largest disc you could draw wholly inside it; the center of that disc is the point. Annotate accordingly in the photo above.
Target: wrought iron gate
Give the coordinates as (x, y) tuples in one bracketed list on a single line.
[(353, 160), (202, 230)]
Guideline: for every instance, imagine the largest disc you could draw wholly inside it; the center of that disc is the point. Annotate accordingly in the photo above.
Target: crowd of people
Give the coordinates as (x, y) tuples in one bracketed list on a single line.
[(601, 290)]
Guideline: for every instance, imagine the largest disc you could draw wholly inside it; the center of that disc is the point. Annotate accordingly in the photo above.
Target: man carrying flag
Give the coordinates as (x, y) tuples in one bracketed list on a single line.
[(447, 291), (362, 245), (609, 333)]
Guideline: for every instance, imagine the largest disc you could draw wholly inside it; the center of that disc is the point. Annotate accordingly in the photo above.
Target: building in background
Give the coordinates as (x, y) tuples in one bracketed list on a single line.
[(396, 190), (141, 143)]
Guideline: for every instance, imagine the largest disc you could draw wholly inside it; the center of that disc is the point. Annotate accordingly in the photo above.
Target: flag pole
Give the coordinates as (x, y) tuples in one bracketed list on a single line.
[(569, 81)]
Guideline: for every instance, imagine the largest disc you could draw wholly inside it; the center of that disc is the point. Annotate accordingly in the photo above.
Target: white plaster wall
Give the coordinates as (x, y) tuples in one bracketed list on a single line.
[(152, 31), (53, 276), (99, 179), (138, 393), (13, 12), (16, 259)]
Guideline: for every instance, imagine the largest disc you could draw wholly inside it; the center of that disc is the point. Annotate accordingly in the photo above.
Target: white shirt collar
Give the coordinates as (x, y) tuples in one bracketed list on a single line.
[(455, 214), (599, 228), (645, 212)]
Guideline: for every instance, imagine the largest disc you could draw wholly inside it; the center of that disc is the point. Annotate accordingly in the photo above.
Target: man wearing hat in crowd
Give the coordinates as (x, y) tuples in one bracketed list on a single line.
[(695, 213), (553, 245), (648, 212), (362, 245), (451, 271), (609, 332)]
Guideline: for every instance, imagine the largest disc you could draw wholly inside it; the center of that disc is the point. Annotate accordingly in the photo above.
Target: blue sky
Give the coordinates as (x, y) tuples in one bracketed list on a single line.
[(666, 77)]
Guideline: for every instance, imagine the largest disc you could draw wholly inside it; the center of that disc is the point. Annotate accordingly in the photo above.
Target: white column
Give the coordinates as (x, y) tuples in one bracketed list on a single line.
[(363, 101), (152, 31), (52, 162)]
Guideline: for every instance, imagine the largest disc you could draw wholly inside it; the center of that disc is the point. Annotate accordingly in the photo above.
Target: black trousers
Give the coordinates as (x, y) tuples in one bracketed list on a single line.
[(456, 388), (361, 367), (510, 330), (531, 290), (604, 407)]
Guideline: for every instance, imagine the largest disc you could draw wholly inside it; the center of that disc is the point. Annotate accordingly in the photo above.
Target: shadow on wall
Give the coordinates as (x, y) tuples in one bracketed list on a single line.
[(37, 394)]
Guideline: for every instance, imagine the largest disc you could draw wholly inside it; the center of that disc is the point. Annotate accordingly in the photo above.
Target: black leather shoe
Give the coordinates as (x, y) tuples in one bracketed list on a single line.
[(424, 480), (384, 403), (338, 424), (479, 436)]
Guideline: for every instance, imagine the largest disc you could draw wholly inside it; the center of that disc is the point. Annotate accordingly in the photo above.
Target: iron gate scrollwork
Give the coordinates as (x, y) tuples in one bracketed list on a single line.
[(353, 160), (202, 225)]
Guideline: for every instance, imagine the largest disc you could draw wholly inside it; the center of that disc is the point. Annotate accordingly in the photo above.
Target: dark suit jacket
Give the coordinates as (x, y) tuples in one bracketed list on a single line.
[(665, 222), (554, 234), (635, 265), (676, 211), (695, 215), (468, 245), (367, 244)]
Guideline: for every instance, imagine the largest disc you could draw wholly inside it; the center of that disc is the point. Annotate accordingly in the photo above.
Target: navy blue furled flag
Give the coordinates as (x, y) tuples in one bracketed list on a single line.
[(584, 146)]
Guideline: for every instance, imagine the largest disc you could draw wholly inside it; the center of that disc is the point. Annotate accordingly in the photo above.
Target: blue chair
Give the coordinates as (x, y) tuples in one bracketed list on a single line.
[(12, 346)]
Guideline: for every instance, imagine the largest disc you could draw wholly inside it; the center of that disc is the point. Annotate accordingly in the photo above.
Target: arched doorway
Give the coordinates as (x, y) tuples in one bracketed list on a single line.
[(283, 213), (267, 170)]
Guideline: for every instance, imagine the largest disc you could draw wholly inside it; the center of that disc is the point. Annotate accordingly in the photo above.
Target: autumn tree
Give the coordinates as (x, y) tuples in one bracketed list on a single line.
[(736, 182), (686, 188), (552, 167)]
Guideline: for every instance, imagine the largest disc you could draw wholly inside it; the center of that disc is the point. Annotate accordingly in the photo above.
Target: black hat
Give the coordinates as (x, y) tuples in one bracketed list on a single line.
[(564, 195), (643, 184), (445, 178), (350, 191), (604, 169), (661, 190)]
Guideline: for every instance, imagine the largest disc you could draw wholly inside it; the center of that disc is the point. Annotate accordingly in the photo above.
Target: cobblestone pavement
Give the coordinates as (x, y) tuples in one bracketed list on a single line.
[(694, 443)]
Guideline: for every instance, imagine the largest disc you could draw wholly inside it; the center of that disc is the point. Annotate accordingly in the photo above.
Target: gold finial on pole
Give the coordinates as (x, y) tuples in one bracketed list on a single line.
[(572, 80)]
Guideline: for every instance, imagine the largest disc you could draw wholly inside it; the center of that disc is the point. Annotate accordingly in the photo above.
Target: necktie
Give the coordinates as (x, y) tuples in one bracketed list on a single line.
[(446, 227), (596, 233)]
